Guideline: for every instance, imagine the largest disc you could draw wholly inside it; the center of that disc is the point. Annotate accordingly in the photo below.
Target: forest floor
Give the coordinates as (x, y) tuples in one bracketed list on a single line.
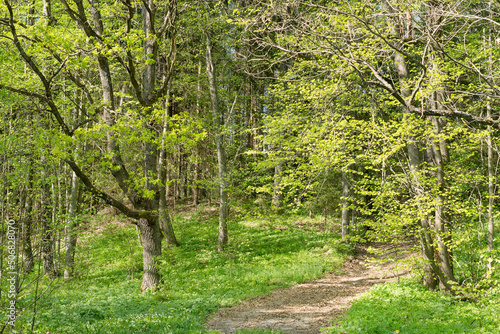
[(307, 308)]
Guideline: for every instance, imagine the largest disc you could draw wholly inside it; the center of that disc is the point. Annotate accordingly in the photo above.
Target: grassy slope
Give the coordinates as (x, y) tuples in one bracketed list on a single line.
[(105, 299)]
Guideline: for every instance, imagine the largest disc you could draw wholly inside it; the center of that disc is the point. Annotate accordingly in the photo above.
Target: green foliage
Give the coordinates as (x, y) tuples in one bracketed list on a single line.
[(408, 308), (345, 247)]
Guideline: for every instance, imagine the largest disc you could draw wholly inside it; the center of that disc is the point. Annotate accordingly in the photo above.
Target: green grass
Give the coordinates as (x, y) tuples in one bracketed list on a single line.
[(103, 297), (408, 308)]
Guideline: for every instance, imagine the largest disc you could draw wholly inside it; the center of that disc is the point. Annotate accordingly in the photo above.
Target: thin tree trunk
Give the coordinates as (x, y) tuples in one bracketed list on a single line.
[(186, 175), (196, 177), (345, 205), (47, 11), (218, 124), (277, 193), (27, 223), (197, 158), (163, 216), (491, 194), (491, 169), (71, 236), (45, 219)]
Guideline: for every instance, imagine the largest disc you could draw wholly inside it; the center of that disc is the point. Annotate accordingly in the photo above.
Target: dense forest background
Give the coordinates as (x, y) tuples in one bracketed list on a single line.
[(381, 116)]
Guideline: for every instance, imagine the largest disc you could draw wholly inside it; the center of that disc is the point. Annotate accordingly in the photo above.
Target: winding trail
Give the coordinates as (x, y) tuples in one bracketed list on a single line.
[(308, 307)]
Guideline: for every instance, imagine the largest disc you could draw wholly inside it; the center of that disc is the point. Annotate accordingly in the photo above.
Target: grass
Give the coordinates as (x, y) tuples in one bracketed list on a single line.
[(408, 308), (264, 254)]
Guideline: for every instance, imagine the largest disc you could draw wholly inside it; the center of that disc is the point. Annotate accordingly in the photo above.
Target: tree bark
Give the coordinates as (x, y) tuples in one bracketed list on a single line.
[(72, 222), (151, 249), (491, 194)]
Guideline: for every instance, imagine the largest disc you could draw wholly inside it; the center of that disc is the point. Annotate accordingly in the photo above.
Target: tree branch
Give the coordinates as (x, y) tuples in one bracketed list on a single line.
[(108, 199)]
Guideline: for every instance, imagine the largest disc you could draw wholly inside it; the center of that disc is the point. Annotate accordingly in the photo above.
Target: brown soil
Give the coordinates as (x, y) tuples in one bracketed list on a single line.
[(308, 307)]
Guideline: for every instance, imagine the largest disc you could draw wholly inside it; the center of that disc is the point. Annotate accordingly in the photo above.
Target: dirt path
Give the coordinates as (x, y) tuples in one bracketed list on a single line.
[(308, 307)]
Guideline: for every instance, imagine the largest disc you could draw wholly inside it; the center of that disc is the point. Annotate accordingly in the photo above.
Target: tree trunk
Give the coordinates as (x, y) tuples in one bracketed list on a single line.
[(151, 249), (197, 149), (45, 219), (491, 169), (427, 244), (163, 215), (218, 124), (165, 221), (72, 222), (27, 223), (71, 236), (491, 194), (196, 177), (277, 194), (444, 255), (120, 173), (415, 161), (345, 205), (47, 11)]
